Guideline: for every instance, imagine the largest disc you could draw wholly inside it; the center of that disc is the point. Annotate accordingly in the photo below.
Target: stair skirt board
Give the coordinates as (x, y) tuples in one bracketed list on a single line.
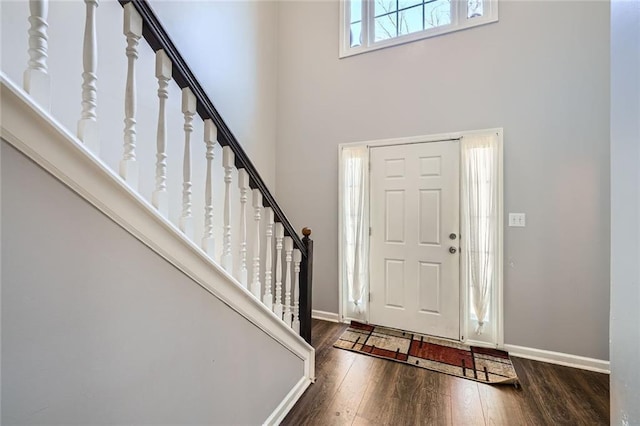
[(40, 137)]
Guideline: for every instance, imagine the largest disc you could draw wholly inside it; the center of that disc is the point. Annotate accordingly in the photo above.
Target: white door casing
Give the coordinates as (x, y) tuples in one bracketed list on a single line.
[(414, 277)]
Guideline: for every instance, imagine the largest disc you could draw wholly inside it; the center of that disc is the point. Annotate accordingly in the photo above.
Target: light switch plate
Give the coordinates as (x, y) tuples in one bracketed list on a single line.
[(517, 219)]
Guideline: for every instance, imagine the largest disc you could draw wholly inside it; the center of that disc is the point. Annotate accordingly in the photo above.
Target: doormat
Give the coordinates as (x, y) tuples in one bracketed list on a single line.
[(470, 362)]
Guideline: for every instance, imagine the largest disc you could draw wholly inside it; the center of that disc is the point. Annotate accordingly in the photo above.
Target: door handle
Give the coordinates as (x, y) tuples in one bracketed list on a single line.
[(453, 250)]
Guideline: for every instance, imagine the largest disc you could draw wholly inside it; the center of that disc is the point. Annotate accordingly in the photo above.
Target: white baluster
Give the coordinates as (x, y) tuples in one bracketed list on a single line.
[(243, 184), (297, 258), (268, 268), (163, 74), (257, 210), (227, 161), (36, 80), (132, 29), (189, 110), (88, 124), (288, 251), (277, 307), (210, 139)]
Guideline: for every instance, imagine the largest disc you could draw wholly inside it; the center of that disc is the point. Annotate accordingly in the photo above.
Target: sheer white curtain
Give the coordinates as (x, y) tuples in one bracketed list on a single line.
[(355, 231), (480, 203)]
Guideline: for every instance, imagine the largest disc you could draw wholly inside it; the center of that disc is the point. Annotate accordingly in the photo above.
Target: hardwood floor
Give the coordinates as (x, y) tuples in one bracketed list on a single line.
[(355, 389)]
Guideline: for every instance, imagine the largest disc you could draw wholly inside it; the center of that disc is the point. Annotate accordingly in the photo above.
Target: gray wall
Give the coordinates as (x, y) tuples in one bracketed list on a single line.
[(232, 48), (541, 73), (97, 329), (625, 212)]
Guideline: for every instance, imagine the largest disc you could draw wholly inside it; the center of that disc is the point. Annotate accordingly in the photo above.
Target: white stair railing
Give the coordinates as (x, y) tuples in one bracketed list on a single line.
[(88, 124), (132, 30), (36, 80), (268, 261), (227, 162), (288, 250), (161, 177), (163, 74), (297, 258), (189, 110), (257, 212), (277, 307), (243, 185), (210, 139)]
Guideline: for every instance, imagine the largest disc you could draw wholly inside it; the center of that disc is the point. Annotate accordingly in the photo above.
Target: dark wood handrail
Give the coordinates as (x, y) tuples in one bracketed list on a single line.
[(157, 37)]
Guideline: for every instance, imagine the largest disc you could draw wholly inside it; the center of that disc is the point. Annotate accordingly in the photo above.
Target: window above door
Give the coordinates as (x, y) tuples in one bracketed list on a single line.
[(374, 24)]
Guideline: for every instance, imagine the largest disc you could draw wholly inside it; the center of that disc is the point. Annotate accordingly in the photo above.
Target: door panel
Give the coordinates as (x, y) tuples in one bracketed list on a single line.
[(414, 209), (429, 287), (429, 216), (394, 283), (394, 216)]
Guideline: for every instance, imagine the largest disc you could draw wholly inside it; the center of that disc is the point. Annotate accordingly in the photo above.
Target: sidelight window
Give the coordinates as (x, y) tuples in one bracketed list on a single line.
[(481, 218)]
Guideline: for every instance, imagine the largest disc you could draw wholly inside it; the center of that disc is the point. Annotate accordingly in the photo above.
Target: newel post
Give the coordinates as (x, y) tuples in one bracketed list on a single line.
[(306, 279)]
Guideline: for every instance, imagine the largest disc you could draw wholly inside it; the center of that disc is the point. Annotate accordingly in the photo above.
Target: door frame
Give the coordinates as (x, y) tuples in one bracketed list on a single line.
[(493, 339)]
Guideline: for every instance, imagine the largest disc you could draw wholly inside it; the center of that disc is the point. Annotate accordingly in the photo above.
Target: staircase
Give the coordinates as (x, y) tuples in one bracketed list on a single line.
[(177, 179)]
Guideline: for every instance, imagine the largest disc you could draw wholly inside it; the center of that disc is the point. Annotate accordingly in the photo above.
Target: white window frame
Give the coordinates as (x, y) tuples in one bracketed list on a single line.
[(459, 21)]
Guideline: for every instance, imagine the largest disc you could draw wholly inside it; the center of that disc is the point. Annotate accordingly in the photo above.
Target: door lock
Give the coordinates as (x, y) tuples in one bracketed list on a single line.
[(453, 250), (452, 236)]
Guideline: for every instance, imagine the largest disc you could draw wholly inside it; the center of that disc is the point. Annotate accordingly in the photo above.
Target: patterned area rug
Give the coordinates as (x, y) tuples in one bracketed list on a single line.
[(445, 356)]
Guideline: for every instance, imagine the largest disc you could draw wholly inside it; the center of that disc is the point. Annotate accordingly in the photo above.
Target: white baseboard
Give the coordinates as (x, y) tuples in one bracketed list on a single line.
[(325, 316), (347, 320), (478, 343), (288, 402), (559, 358)]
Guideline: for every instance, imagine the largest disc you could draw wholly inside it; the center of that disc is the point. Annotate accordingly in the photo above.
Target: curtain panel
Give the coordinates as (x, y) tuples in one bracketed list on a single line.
[(480, 203), (355, 220)]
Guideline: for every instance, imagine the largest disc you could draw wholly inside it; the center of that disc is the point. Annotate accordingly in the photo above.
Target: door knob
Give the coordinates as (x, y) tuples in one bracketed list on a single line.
[(452, 250)]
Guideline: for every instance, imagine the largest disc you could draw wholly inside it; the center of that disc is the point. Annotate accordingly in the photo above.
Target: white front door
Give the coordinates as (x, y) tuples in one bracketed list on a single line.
[(414, 255)]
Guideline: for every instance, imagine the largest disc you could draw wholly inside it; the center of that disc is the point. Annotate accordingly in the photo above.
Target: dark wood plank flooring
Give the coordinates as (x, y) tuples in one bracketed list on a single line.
[(355, 389)]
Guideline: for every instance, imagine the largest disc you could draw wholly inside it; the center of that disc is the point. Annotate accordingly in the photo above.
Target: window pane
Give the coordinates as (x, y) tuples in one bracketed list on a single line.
[(356, 34), (403, 4), (475, 8), (356, 10), (410, 20), (384, 6), (437, 13), (386, 27)]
